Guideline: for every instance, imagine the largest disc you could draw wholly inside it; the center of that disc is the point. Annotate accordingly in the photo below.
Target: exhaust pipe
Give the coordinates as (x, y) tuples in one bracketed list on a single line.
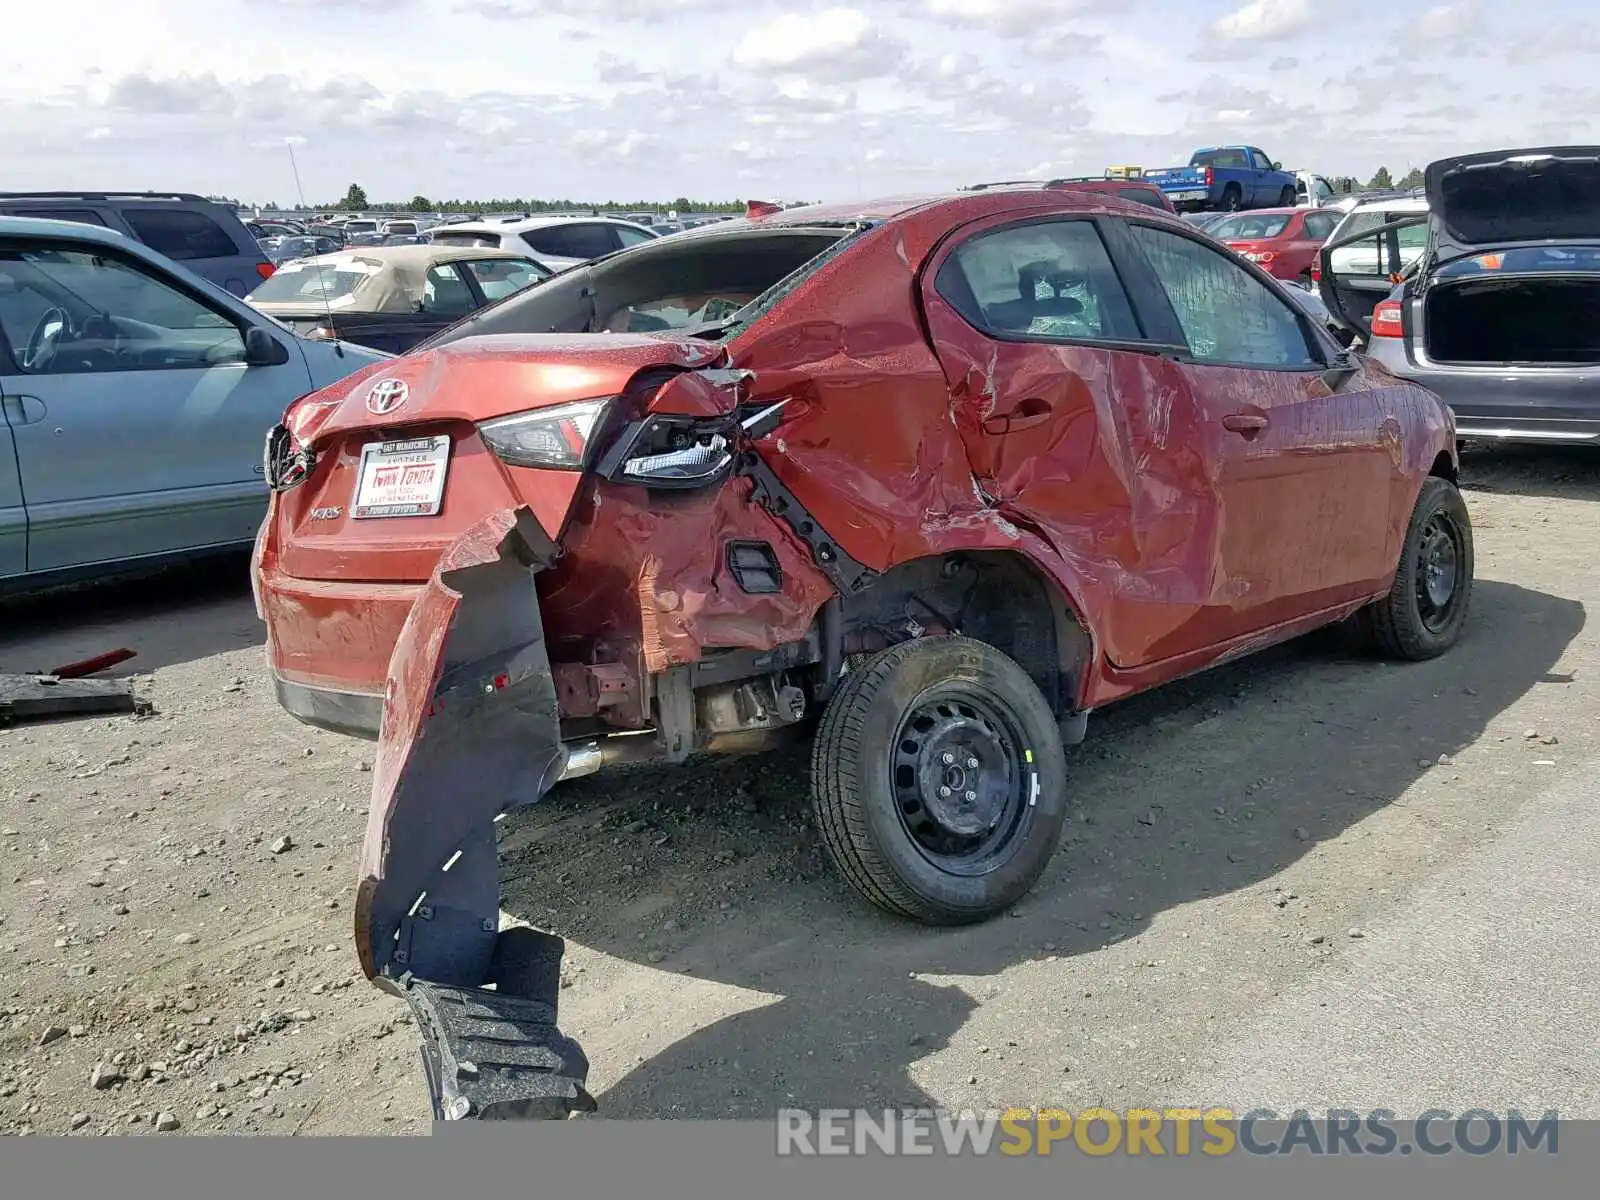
[(583, 758)]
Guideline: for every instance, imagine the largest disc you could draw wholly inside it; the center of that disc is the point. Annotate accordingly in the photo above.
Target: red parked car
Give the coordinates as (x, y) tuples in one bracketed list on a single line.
[(972, 467), (1283, 241)]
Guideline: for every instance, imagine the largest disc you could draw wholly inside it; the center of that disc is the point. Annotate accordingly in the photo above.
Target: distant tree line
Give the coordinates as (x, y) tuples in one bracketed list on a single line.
[(355, 199)]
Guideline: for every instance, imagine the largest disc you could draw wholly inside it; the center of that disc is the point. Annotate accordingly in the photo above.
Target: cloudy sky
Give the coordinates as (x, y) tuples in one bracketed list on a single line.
[(767, 98)]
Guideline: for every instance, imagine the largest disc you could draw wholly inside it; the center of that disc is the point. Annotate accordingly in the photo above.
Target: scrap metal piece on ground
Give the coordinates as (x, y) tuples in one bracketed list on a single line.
[(93, 666), (34, 697)]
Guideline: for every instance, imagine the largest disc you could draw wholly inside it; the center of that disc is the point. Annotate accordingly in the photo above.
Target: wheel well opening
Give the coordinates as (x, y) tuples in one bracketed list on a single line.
[(1444, 467), (995, 596)]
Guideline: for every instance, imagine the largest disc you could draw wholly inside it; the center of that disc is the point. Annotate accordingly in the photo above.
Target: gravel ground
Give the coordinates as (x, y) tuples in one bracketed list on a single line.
[(176, 893)]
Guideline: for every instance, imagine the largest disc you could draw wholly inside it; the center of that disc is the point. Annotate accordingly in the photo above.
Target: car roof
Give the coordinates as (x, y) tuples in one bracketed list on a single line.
[(1280, 211), (521, 224), (400, 279), (1393, 204), (926, 217)]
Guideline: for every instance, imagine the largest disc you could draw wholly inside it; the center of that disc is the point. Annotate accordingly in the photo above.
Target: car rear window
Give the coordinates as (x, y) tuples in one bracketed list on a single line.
[(1221, 159), (1149, 196), (486, 241), (317, 281), (179, 233), (1249, 228)]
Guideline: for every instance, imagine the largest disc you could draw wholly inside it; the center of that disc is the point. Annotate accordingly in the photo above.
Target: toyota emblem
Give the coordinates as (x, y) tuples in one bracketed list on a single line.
[(386, 396)]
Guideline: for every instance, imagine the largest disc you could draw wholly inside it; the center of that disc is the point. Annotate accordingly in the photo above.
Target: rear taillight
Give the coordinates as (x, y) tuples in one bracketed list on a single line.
[(672, 451), (1260, 256), (553, 438), (1210, 177), (1388, 319), (1316, 271), (265, 269), (305, 417)]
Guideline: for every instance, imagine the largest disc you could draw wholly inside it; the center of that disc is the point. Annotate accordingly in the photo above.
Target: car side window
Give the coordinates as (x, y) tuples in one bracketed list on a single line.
[(445, 293), (580, 239), (498, 278), (69, 311), (631, 237), (1226, 314), (1049, 279), (1260, 161), (1319, 226), (180, 234)]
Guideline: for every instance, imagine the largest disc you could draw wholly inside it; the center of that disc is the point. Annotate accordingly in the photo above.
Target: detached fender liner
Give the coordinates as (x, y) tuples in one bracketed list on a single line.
[(471, 728)]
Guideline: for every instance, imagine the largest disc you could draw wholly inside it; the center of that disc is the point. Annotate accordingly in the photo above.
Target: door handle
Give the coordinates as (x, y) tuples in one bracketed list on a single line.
[(1247, 424), (23, 410), (1032, 411)]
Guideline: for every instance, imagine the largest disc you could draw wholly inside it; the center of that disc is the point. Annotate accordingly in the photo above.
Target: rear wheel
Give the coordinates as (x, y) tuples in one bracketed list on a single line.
[(1423, 613), (938, 780), (1232, 198)]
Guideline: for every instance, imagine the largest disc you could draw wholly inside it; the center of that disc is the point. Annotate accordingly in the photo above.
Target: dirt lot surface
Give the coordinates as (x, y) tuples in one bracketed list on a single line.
[(1239, 840)]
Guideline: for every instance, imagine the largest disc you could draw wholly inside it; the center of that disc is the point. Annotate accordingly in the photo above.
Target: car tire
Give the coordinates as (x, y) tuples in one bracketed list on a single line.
[(1232, 198), (1286, 198), (1426, 607), (910, 723)]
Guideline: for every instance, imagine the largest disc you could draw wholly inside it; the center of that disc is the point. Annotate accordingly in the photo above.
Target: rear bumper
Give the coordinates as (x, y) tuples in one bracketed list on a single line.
[(354, 713), (1554, 406), (329, 645), (471, 727)]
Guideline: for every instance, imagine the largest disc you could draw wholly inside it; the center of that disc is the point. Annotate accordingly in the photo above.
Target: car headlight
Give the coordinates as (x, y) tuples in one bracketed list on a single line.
[(555, 438)]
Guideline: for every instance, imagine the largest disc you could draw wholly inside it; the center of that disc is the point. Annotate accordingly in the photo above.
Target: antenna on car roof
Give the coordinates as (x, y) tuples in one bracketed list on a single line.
[(322, 283)]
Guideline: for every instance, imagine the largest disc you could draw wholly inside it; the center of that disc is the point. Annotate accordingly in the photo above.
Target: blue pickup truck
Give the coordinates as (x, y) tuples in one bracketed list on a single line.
[(1226, 179)]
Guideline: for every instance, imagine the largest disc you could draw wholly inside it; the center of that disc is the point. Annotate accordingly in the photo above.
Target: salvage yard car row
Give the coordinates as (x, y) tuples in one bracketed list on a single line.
[(930, 481)]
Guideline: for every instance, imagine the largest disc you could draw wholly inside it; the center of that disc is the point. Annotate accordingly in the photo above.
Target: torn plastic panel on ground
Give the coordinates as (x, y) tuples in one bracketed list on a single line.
[(470, 728)]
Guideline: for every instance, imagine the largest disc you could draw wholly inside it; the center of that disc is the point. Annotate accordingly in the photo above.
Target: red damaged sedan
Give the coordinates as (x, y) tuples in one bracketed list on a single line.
[(929, 480), (1283, 241)]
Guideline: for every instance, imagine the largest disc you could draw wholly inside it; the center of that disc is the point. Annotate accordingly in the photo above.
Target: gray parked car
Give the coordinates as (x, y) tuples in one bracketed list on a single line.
[(206, 237), (1497, 313), (136, 399)]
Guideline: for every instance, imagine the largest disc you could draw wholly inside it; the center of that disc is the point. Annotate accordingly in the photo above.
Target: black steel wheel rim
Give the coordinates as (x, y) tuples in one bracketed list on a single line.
[(963, 779), (1441, 559)]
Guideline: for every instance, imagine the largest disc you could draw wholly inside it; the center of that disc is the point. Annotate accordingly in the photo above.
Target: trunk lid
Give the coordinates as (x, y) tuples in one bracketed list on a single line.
[(1506, 196), (445, 393), (494, 375)]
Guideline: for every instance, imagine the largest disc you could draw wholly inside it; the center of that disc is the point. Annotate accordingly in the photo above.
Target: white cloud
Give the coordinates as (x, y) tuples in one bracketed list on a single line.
[(837, 44), (1265, 21), (1443, 22), (1029, 19)]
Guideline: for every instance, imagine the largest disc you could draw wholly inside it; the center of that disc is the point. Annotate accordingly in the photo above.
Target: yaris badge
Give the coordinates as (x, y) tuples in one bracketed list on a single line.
[(386, 396)]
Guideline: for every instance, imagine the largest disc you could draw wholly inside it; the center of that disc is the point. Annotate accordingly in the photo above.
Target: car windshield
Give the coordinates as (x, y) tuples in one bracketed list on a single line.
[(317, 281), (1249, 227)]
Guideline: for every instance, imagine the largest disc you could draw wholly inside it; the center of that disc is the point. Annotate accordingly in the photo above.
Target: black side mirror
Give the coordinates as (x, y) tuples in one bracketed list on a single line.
[(261, 349)]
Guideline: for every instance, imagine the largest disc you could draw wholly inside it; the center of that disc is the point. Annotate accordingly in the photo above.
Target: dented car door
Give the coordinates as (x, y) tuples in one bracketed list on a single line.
[(1076, 423), (1309, 468)]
